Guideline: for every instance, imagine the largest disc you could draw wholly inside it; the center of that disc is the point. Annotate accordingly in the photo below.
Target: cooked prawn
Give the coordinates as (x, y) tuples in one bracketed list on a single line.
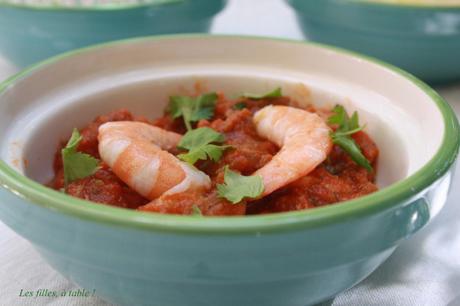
[(304, 141), (137, 154)]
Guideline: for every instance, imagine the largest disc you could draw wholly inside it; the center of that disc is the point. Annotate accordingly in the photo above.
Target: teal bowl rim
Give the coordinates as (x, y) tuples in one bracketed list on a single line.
[(387, 198), (406, 6), (92, 8)]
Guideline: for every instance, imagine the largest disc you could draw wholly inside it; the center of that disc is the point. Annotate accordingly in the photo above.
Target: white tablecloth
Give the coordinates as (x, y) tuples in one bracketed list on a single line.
[(424, 270)]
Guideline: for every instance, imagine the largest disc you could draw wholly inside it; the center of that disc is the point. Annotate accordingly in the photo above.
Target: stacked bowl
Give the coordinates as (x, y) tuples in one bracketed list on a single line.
[(30, 32), (422, 39)]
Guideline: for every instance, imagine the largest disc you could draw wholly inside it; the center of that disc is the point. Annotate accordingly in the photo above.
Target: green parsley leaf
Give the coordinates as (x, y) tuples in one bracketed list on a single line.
[(354, 122), (340, 117), (198, 142), (349, 145), (205, 152), (200, 137), (236, 187), (239, 106), (341, 136), (196, 211), (192, 109), (77, 165), (276, 93)]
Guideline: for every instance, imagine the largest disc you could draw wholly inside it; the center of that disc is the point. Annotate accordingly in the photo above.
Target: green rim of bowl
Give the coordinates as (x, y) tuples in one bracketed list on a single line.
[(89, 8), (412, 6), (387, 198)]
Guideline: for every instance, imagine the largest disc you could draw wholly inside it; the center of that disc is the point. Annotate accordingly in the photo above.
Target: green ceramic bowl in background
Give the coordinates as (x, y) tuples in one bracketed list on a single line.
[(291, 259), (424, 40), (32, 33)]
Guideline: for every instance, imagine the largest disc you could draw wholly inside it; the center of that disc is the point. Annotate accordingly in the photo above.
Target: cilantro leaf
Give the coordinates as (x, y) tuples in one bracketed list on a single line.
[(209, 151), (77, 165), (340, 117), (239, 106), (342, 136), (198, 142), (276, 93), (346, 124), (192, 109), (236, 187), (199, 137), (354, 121), (196, 211), (349, 145)]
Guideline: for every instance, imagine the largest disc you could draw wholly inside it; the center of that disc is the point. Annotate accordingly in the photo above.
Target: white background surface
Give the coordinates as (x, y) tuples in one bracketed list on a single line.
[(425, 270)]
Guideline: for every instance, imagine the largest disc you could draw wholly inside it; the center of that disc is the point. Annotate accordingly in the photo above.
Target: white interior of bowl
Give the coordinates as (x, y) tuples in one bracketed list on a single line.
[(41, 110)]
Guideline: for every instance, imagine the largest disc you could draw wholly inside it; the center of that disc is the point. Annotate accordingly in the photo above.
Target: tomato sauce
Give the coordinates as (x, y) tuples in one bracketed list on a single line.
[(336, 179)]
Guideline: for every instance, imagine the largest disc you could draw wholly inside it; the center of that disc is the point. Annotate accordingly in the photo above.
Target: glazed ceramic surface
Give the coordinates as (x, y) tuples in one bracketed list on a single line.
[(291, 259), (32, 33), (425, 40)]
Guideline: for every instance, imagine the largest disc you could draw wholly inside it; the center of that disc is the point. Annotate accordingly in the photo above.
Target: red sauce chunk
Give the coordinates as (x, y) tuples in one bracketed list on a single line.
[(337, 179)]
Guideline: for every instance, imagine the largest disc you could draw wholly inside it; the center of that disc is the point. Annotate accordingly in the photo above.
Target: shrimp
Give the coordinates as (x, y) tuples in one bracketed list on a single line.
[(137, 154), (304, 141)]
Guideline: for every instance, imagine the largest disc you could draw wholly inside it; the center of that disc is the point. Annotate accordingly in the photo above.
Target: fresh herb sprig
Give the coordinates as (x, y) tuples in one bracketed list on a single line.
[(239, 106), (236, 187), (202, 144), (196, 211), (77, 165), (276, 93), (192, 109), (342, 135)]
